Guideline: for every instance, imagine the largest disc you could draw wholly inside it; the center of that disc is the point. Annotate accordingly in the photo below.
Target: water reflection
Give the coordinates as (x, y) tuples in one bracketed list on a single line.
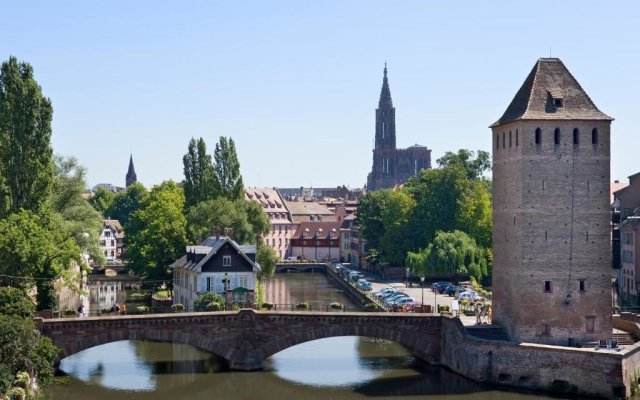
[(287, 289)]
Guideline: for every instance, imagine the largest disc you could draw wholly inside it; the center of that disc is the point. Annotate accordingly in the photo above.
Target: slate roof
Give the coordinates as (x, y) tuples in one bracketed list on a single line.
[(550, 92), (210, 247), (318, 230)]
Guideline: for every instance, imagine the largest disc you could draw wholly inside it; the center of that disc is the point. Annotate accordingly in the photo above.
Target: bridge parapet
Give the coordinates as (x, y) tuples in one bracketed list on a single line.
[(247, 337)]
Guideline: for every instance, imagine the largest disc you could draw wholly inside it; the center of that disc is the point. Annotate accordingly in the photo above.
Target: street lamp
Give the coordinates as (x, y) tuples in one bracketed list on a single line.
[(422, 286)]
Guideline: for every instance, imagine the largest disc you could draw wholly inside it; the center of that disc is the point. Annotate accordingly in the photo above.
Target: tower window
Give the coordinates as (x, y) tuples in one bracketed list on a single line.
[(503, 146), (594, 136), (509, 139), (516, 138), (497, 141), (581, 285), (547, 286), (538, 135), (557, 103), (556, 136), (576, 136)]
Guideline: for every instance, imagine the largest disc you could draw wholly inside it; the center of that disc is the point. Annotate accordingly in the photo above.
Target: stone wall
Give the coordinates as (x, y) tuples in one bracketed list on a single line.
[(536, 366)]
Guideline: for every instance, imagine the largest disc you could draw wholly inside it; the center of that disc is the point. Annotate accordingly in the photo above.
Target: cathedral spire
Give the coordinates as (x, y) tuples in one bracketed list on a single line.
[(131, 173), (385, 93)]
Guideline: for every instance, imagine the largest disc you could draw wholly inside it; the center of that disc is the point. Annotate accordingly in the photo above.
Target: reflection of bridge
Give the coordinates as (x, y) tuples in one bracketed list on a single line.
[(301, 267), (246, 338)]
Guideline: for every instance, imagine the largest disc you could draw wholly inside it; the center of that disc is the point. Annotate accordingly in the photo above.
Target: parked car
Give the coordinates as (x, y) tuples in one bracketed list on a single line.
[(391, 294), (391, 299), (355, 275), (470, 296), (404, 300), (384, 291), (436, 286), (451, 290), (364, 284), (291, 259)]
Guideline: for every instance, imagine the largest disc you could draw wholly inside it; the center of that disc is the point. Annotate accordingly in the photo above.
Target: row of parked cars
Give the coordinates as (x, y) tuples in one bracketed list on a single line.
[(459, 292), (391, 296), (354, 276)]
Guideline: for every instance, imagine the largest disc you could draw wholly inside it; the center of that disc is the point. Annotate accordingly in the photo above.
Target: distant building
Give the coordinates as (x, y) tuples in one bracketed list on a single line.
[(107, 186), (282, 229), (217, 265), (111, 239), (627, 199), (309, 211), (551, 218), (392, 166), (317, 241), (630, 257), (131, 177)]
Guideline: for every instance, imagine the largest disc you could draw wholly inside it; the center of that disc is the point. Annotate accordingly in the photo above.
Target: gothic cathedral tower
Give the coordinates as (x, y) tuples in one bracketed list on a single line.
[(551, 236), (131, 177)]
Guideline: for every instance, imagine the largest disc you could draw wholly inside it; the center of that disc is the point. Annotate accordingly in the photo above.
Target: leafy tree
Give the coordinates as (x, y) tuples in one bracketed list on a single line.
[(26, 167), (475, 215), (369, 218), (157, 234), (198, 174), (124, 204), (451, 254), (101, 201), (474, 167), (16, 302), (247, 219), (22, 349), (267, 259), (227, 179), (395, 216)]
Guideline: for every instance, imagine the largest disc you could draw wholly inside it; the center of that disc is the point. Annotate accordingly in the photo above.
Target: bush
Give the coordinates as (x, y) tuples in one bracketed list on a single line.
[(177, 307), (69, 313), (202, 301), (105, 311), (214, 306), (17, 393), (137, 297), (143, 309), (16, 302), (302, 306), (442, 308), (267, 306), (336, 306), (370, 307), (22, 380)]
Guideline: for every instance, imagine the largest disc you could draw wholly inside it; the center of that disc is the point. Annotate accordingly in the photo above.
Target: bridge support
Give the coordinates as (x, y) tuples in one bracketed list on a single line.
[(244, 356)]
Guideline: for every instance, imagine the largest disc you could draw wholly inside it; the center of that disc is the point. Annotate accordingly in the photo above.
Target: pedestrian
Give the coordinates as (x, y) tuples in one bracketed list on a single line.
[(123, 309), (490, 315), (81, 311), (477, 312), (117, 308)]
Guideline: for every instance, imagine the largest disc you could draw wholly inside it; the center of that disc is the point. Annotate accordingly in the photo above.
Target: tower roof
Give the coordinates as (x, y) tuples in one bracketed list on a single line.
[(550, 92), (131, 173), (385, 93)]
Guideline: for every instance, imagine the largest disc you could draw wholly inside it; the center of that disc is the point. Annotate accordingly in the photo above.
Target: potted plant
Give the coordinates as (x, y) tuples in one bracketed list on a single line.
[(177, 307), (302, 306), (336, 306), (267, 306)]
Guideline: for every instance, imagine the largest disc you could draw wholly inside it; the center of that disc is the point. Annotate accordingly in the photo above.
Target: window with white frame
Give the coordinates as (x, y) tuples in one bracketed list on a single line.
[(243, 281), (226, 261)]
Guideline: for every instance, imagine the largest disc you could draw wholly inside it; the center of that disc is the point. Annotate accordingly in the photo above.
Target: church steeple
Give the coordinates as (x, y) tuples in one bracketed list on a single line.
[(385, 117), (131, 173)]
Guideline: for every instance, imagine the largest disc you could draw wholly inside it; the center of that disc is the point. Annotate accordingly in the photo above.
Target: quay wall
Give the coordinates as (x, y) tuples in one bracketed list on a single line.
[(603, 373)]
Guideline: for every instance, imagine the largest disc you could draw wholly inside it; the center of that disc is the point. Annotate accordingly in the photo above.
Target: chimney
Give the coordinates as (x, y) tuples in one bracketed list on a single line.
[(215, 232), (229, 232)]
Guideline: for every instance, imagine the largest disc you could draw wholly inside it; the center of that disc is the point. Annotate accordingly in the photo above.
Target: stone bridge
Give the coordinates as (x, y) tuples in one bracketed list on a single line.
[(246, 338), (301, 267)]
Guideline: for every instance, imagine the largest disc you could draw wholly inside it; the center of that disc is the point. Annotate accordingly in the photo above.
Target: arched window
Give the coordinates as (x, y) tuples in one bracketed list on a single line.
[(497, 141), (538, 136), (556, 136), (594, 136), (516, 138), (509, 139), (576, 136), (503, 140)]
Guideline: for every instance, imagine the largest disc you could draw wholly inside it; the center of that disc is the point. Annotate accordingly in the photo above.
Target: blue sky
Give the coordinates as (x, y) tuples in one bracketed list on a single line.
[(296, 83)]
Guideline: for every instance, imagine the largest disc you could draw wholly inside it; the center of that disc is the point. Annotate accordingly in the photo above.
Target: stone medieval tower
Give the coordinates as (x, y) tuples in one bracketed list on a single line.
[(551, 236), (392, 166)]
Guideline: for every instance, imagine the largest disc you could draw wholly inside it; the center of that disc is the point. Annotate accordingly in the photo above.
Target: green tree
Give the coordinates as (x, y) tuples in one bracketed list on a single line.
[(26, 167), (198, 174), (124, 204), (395, 217), (369, 217), (22, 349), (267, 259), (227, 179), (474, 167), (16, 302), (451, 254), (101, 201), (247, 219), (475, 215), (158, 233)]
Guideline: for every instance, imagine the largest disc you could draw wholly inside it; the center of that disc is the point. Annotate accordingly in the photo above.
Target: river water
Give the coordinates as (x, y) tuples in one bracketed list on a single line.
[(336, 368)]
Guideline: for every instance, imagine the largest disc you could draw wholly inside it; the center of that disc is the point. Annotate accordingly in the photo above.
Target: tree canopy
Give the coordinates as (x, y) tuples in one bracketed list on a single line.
[(227, 179), (26, 167), (198, 174), (474, 167)]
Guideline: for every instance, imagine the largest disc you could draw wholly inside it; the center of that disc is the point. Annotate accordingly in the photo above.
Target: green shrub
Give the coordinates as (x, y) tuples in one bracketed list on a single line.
[(214, 306), (202, 301), (105, 311), (69, 313), (22, 380), (302, 306), (177, 307), (370, 307), (267, 306), (17, 393), (336, 306), (143, 309), (137, 297), (443, 308), (16, 302)]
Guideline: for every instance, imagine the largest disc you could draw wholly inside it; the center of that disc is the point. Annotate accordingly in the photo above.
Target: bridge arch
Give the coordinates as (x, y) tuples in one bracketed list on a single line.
[(247, 337)]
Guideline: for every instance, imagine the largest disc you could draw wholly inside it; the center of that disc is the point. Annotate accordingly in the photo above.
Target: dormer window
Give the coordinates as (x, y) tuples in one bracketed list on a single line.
[(557, 103)]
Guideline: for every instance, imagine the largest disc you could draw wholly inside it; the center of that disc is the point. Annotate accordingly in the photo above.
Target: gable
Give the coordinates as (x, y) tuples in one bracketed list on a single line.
[(238, 262)]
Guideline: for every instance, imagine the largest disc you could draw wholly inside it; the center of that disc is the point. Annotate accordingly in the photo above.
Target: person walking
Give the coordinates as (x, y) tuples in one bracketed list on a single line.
[(81, 311), (477, 312)]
